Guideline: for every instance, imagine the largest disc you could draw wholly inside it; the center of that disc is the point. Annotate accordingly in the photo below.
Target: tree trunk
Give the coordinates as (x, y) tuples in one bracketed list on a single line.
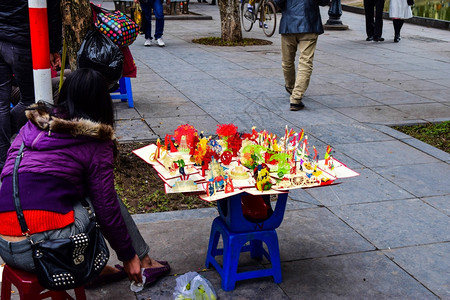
[(77, 21), (230, 20)]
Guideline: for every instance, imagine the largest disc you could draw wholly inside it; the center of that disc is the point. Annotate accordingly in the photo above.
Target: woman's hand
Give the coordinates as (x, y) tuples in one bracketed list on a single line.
[(55, 60), (133, 269)]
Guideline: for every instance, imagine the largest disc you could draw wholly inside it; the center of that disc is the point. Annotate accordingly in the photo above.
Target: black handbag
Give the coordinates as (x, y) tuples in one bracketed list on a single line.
[(63, 264), (410, 2)]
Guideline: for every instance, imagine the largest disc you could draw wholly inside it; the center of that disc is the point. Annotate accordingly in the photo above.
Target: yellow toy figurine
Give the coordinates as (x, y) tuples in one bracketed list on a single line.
[(263, 180)]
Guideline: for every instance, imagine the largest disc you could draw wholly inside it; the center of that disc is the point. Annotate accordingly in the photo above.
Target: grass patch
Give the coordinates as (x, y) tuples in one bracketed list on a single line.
[(437, 135), (140, 188), (217, 41)]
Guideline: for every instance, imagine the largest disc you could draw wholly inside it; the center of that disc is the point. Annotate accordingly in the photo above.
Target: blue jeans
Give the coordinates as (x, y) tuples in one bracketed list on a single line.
[(14, 60), (18, 254), (147, 6)]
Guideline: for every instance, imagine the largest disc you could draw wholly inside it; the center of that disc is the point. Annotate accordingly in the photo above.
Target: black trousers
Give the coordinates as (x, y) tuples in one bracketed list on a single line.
[(373, 10)]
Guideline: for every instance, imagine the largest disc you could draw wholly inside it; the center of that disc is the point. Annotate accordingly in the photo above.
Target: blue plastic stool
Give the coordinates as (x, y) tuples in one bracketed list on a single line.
[(124, 92), (233, 245)]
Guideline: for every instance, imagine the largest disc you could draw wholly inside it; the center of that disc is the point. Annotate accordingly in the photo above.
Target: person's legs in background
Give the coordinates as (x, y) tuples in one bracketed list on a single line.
[(288, 52), (398, 23), (378, 34), (369, 12), (159, 16), (147, 10), (13, 60), (22, 68), (307, 46)]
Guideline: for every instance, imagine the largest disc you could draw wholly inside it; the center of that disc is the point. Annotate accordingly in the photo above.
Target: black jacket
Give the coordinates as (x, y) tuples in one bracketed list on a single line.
[(15, 23)]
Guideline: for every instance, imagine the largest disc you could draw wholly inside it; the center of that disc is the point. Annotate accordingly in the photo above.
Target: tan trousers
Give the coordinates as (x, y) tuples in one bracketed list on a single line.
[(305, 43)]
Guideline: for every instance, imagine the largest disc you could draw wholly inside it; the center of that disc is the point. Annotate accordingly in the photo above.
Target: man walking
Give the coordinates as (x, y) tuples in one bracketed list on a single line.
[(300, 27)]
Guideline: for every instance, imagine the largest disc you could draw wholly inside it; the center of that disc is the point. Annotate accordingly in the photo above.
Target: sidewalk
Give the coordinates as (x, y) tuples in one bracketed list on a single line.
[(384, 234)]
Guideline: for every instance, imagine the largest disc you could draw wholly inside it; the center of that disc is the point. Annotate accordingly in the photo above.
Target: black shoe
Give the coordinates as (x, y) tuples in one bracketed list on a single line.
[(299, 106), (396, 38), (378, 39), (369, 38)]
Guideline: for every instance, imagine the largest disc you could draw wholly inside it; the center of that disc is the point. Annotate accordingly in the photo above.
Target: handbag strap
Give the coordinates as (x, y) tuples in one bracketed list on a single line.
[(18, 206), (19, 211)]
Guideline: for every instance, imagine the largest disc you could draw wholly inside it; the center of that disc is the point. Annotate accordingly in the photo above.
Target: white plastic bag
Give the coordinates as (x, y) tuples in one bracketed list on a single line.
[(137, 287), (193, 286)]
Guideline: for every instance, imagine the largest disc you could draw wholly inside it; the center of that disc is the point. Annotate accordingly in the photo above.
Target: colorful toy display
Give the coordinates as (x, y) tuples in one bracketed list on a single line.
[(258, 162)]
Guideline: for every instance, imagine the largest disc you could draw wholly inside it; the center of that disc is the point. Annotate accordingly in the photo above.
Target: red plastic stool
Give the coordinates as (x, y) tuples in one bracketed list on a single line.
[(29, 288)]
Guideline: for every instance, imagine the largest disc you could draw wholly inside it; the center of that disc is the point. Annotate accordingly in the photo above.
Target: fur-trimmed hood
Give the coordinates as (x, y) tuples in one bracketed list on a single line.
[(45, 131), (75, 127)]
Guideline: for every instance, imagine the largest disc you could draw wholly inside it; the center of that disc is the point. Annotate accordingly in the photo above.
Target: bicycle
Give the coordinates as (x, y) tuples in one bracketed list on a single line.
[(267, 16)]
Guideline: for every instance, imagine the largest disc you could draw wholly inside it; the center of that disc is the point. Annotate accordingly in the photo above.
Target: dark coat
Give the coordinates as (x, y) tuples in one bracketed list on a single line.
[(300, 16), (79, 153), (15, 23)]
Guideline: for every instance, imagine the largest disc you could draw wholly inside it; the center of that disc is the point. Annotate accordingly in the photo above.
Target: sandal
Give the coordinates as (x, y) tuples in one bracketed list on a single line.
[(103, 279)]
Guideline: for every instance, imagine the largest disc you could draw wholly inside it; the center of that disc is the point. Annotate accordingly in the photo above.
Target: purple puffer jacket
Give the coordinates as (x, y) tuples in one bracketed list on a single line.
[(67, 159)]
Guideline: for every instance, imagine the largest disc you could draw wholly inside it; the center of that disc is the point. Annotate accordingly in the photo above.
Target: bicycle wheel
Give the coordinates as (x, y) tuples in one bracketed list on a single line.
[(269, 19), (247, 18)]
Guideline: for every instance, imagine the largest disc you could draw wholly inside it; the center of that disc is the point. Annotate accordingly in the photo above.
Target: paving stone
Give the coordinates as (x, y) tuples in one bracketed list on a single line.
[(425, 110), (122, 111), (375, 114), (354, 133), (169, 109), (173, 96), (393, 224), (429, 184), (390, 131), (299, 198), (367, 87), (163, 126), (133, 130), (306, 116), (367, 187), (427, 148), (440, 95), (384, 154), (369, 275), (400, 97), (316, 232), (261, 288), (429, 264), (440, 203), (350, 100)]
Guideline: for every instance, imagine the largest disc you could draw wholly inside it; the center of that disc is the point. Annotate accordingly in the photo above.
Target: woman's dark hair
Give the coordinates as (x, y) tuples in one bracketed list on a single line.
[(84, 94)]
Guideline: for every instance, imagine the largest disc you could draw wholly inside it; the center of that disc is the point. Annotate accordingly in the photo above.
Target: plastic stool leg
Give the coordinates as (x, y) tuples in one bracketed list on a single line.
[(274, 253), (80, 293), (6, 288), (231, 253), (129, 92), (256, 249), (212, 247)]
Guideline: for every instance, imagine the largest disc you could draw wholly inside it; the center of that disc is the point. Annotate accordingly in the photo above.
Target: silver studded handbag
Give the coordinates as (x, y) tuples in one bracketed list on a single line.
[(67, 263)]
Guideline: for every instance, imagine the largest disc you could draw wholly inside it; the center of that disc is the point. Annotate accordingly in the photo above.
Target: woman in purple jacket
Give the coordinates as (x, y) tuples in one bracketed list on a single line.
[(69, 153)]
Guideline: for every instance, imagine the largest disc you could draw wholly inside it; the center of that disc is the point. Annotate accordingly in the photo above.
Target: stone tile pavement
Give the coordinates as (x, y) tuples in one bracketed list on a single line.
[(384, 234)]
